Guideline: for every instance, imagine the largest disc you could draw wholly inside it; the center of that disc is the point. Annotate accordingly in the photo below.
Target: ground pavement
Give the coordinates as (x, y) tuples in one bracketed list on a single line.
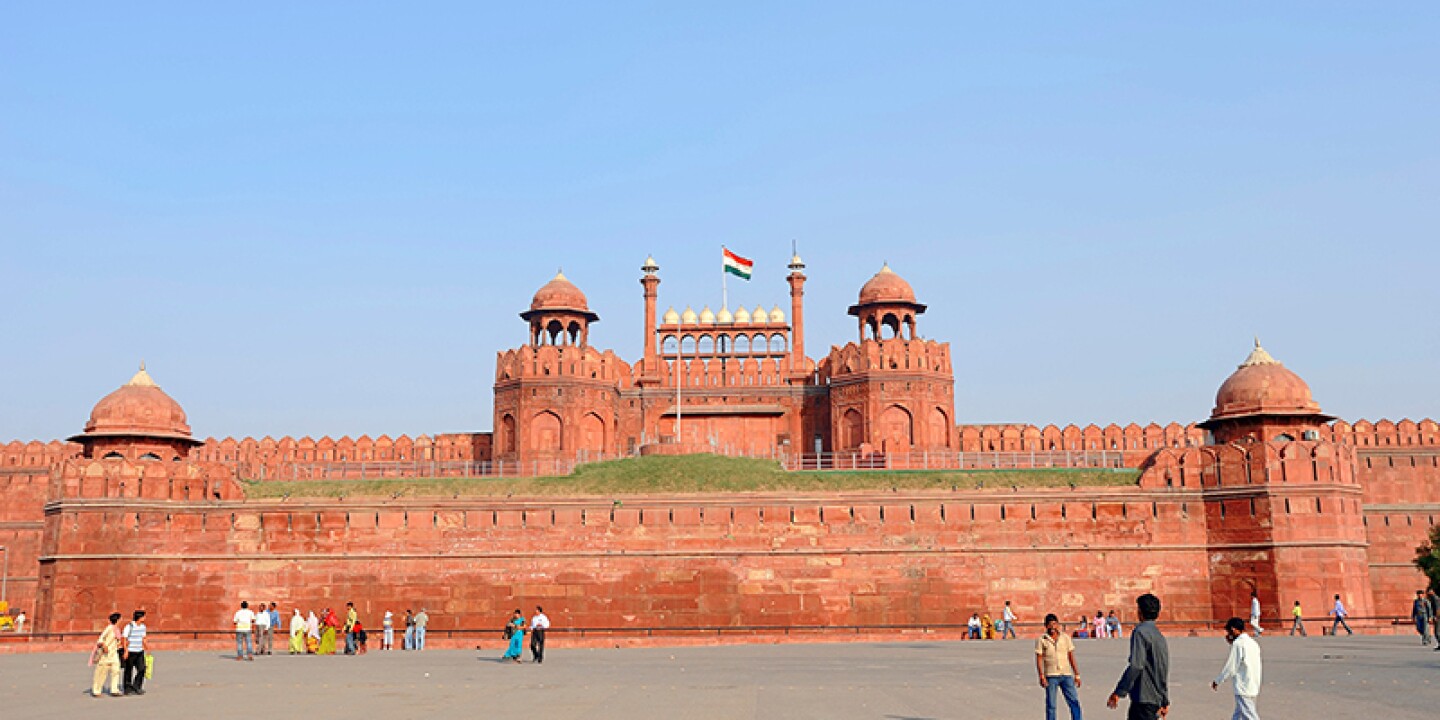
[(1370, 678)]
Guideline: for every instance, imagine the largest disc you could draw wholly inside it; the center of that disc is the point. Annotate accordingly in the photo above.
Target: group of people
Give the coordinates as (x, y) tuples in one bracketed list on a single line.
[(320, 634), (981, 627), (1425, 611), (1297, 617), (1102, 627), (515, 630), (1146, 678), (120, 657)]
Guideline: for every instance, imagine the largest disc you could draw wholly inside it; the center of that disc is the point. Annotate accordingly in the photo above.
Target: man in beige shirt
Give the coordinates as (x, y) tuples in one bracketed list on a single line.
[(1055, 661)]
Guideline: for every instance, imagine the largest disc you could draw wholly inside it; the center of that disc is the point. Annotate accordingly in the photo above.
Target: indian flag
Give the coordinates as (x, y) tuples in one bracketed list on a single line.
[(736, 265)]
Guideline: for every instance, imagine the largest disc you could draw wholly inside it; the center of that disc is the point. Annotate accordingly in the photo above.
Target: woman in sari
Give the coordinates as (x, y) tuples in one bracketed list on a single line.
[(327, 632), (297, 633), (516, 628), (312, 634)]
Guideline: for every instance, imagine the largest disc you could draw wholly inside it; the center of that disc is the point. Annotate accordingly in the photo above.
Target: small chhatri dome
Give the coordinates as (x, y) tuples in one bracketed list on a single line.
[(886, 287), (671, 317), (760, 317), (689, 316), (742, 315), (559, 294), (724, 318), (707, 316), (1263, 386), (138, 409), (776, 316)]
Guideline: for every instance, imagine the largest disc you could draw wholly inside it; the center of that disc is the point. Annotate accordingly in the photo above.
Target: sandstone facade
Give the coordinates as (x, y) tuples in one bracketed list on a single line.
[(1267, 494)]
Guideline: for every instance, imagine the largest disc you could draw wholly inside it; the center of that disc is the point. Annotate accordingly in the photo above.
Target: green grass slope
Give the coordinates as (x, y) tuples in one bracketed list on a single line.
[(695, 474)]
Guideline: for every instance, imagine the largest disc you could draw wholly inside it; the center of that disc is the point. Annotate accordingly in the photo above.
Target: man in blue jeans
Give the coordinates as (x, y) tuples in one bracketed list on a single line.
[(421, 622), (1055, 661)]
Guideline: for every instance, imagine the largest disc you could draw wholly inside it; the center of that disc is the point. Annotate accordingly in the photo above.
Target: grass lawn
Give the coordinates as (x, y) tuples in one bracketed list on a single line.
[(695, 474)]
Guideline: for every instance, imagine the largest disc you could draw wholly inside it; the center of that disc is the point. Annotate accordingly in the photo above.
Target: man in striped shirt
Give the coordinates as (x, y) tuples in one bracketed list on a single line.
[(133, 655)]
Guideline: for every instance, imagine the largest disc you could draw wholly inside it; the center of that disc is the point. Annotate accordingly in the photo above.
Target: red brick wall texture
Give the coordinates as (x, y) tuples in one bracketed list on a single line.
[(1206, 526)]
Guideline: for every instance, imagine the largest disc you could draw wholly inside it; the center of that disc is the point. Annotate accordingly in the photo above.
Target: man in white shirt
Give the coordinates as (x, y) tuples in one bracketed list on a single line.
[(1340, 614), (538, 625), (1255, 612), (262, 631), (244, 621), (1008, 619), (974, 626), (1244, 666), (20, 622)]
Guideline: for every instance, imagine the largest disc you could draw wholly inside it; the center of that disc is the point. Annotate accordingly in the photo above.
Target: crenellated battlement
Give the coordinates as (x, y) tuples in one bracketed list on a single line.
[(1384, 434), (147, 480), (571, 362), (892, 354), (1127, 438), (36, 454), (1273, 463)]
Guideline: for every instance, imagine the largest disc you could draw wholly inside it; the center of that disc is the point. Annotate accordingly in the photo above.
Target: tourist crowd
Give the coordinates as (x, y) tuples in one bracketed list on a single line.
[(322, 634)]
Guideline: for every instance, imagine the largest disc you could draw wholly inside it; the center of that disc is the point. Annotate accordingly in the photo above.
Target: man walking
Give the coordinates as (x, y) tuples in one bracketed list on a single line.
[(421, 621), (350, 619), (1255, 612), (1007, 620), (1244, 666), (262, 630), (244, 620), (134, 658), (1146, 680), (1298, 620), (1420, 613), (275, 627), (1434, 601), (538, 625), (1055, 661), (1340, 614), (409, 640)]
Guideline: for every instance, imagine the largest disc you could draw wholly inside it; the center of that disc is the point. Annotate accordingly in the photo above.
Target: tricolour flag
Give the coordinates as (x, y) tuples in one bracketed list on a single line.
[(736, 265)]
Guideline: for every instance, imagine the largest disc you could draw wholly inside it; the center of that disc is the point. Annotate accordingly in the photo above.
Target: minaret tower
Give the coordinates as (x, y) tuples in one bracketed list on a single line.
[(797, 314), (651, 282)]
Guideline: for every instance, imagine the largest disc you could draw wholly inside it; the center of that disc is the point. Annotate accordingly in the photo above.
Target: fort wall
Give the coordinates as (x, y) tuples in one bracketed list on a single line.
[(657, 562)]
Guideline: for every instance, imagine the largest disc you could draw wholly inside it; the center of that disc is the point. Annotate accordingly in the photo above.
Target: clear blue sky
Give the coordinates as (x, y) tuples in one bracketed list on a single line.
[(323, 218)]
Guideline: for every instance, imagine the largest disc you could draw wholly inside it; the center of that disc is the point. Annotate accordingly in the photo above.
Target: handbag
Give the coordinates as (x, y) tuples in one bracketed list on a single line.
[(149, 666), (509, 631)]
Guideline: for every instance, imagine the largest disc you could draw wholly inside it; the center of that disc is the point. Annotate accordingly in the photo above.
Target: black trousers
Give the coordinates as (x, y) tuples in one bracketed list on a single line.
[(537, 644), (1143, 711), (134, 675)]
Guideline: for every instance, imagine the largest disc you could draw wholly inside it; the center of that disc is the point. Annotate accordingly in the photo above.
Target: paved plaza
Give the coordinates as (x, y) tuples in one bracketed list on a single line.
[(1333, 678)]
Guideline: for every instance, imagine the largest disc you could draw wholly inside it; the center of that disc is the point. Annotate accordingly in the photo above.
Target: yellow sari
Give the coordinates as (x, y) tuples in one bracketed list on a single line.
[(297, 635)]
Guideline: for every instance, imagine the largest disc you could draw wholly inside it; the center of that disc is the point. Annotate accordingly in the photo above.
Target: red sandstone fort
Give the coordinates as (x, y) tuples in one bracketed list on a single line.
[(1268, 493)]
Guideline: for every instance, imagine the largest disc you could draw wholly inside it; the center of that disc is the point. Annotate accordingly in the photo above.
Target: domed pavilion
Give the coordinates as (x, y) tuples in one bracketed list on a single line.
[(137, 422), (887, 302), (559, 314), (1265, 401)]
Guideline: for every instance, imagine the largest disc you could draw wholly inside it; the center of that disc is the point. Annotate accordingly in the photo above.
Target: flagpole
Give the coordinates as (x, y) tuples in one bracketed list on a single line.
[(679, 354), (724, 291)]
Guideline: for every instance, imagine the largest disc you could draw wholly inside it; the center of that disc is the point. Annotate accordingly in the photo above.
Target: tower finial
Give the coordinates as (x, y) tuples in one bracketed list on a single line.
[(1258, 356)]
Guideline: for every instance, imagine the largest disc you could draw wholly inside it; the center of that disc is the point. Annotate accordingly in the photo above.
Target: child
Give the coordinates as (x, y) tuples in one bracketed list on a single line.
[(360, 636)]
